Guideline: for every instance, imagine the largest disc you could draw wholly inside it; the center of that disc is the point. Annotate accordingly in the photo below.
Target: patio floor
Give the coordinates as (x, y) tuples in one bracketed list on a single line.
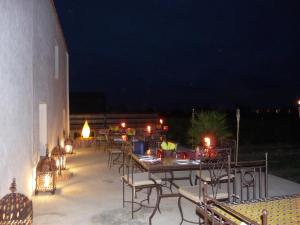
[(93, 196)]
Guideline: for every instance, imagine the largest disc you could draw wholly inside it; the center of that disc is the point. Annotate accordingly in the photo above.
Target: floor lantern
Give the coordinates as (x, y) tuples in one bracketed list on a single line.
[(15, 208), (46, 175)]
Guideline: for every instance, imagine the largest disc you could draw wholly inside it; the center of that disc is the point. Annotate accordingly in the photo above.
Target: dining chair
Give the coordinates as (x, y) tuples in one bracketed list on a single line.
[(251, 180), (139, 181), (114, 149), (216, 170)]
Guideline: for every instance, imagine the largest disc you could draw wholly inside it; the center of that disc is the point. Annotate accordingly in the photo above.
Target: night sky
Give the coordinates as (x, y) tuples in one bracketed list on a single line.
[(184, 53)]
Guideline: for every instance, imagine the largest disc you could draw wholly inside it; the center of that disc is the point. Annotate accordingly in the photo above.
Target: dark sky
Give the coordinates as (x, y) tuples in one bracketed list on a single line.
[(184, 53)]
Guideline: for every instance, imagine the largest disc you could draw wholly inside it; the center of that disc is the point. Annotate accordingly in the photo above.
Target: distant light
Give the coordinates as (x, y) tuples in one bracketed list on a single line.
[(298, 102), (123, 124), (149, 129), (161, 121)]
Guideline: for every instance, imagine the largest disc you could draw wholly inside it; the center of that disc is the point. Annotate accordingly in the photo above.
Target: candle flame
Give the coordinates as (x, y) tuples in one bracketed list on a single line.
[(68, 148), (149, 129), (148, 152), (47, 180), (161, 121), (123, 124), (207, 141)]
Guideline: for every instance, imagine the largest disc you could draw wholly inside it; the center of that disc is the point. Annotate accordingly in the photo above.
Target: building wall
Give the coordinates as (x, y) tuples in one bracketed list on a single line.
[(29, 33)]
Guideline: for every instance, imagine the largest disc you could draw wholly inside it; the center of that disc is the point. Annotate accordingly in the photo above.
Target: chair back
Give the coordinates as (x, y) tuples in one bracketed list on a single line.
[(251, 181), (217, 171)]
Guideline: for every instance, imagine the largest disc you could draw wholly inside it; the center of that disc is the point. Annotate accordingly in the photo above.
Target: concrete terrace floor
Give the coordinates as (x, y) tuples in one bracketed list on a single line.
[(93, 196)]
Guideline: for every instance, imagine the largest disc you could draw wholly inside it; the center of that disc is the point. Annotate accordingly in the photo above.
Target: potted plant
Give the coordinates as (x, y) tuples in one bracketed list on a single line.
[(211, 124)]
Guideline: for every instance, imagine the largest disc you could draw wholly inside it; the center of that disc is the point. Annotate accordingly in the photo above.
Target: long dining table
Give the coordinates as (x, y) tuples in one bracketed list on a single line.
[(171, 165), (166, 165)]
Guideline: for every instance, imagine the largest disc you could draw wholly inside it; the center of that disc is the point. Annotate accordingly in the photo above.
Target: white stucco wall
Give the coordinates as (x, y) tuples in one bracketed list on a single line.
[(29, 32)]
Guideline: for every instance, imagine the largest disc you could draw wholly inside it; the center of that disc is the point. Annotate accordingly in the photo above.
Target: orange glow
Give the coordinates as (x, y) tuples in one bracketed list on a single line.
[(149, 129), (85, 130), (123, 124), (124, 137), (161, 121), (47, 181), (68, 148), (148, 152), (207, 142)]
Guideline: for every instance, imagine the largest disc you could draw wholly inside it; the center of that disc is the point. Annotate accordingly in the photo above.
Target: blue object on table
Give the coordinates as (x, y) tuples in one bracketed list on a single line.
[(139, 147)]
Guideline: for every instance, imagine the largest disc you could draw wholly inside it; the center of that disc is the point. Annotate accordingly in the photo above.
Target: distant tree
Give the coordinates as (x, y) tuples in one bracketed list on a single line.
[(209, 123)]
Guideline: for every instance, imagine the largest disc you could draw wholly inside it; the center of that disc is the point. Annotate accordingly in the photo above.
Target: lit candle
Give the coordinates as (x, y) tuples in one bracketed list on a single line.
[(123, 124), (124, 137), (207, 142), (149, 129), (47, 179), (149, 152), (161, 121)]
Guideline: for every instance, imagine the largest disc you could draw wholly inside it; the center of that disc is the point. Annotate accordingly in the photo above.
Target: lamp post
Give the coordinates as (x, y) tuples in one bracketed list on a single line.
[(193, 119), (238, 116), (299, 108)]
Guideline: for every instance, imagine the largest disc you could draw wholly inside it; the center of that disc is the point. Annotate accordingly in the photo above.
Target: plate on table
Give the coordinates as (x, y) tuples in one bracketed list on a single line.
[(182, 161), (196, 162), (150, 160), (147, 158)]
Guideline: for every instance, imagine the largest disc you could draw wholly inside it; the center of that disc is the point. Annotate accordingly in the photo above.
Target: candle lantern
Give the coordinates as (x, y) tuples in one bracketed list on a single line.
[(46, 175), (59, 155), (15, 208), (69, 145)]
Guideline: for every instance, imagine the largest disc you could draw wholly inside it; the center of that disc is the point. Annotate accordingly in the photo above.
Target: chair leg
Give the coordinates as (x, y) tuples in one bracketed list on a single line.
[(156, 205), (190, 178), (132, 194), (108, 161), (196, 179), (180, 209), (123, 193)]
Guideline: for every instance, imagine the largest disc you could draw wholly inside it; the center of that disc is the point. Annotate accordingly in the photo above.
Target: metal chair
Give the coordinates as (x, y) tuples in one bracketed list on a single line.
[(252, 180), (114, 149), (138, 181), (218, 169)]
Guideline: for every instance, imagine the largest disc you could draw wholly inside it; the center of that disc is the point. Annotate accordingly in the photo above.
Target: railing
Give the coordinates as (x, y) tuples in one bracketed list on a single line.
[(101, 121)]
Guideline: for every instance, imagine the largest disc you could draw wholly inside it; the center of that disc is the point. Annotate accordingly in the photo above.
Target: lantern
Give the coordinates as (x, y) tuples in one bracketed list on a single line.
[(69, 145), (59, 155), (46, 175), (86, 130), (15, 208)]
